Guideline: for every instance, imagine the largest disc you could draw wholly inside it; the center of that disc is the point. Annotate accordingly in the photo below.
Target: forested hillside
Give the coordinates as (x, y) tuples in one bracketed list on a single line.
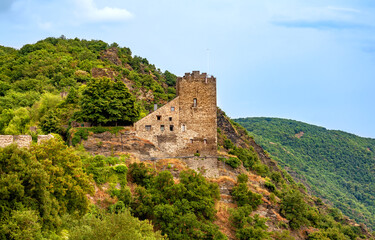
[(56, 191), (33, 79), (337, 166)]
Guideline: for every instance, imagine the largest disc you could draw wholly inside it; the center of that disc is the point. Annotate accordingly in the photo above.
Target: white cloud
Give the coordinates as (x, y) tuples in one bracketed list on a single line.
[(88, 11), (328, 17), (341, 9)]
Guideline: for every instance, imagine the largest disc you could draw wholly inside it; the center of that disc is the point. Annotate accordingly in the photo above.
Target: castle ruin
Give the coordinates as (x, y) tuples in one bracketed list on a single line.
[(187, 125)]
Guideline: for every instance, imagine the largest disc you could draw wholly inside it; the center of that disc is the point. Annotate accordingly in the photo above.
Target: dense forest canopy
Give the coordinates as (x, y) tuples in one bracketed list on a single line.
[(338, 166), (89, 75)]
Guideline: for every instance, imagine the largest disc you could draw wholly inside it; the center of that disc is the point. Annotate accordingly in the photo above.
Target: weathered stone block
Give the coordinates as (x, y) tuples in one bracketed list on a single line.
[(42, 138), (6, 140), (23, 140)]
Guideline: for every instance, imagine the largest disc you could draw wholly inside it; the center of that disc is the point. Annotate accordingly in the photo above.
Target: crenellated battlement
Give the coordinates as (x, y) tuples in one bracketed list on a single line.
[(197, 76)]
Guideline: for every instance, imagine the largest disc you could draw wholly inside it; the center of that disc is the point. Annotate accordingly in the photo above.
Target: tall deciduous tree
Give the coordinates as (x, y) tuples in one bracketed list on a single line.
[(107, 102)]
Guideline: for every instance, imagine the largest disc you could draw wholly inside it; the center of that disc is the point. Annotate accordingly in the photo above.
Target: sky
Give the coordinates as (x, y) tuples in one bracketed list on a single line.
[(311, 60)]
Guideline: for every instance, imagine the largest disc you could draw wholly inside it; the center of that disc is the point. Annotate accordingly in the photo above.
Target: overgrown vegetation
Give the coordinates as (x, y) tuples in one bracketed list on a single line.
[(35, 80)]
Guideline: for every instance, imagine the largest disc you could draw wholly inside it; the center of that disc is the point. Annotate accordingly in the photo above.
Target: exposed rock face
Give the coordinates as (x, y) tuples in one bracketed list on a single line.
[(103, 72), (109, 144), (240, 138), (111, 55)]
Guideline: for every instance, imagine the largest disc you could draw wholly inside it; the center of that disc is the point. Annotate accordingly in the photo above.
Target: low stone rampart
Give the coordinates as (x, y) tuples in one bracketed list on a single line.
[(23, 141), (6, 140)]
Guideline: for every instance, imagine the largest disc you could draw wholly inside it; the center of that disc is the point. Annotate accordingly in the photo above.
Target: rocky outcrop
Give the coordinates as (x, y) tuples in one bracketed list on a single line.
[(123, 142), (111, 54)]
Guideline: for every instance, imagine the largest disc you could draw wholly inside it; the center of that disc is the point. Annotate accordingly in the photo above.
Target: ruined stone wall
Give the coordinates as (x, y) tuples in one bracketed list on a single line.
[(194, 119), (162, 127), (6, 140), (21, 140), (198, 115)]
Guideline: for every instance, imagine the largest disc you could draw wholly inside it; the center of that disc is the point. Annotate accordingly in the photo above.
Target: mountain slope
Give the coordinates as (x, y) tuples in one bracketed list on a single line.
[(43, 85), (337, 166)]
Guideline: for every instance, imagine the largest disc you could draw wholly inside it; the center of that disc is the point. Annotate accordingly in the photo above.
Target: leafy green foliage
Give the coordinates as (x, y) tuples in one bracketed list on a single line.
[(39, 186), (182, 211), (247, 227), (108, 102), (247, 156), (35, 79), (111, 226), (232, 161), (294, 208), (336, 165), (243, 196)]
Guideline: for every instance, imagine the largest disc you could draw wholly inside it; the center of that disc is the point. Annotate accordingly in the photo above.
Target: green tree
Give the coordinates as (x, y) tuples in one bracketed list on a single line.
[(111, 226), (294, 208), (107, 102), (39, 186)]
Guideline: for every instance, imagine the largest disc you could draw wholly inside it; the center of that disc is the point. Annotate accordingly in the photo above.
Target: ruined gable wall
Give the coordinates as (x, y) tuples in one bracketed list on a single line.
[(167, 140)]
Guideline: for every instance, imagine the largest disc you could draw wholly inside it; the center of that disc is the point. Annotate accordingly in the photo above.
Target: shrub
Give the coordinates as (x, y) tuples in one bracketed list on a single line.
[(242, 178), (270, 186), (243, 196)]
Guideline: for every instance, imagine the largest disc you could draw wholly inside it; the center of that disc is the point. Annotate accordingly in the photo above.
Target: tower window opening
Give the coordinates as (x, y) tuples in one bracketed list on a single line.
[(191, 140), (171, 128), (183, 128), (162, 128), (158, 117), (148, 127), (170, 118), (205, 141), (172, 109), (194, 102)]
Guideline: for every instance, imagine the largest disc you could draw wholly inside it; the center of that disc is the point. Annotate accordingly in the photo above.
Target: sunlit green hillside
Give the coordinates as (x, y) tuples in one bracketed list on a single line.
[(338, 166)]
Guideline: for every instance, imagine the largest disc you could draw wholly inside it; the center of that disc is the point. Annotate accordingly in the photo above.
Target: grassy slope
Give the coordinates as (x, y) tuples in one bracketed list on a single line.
[(336, 165)]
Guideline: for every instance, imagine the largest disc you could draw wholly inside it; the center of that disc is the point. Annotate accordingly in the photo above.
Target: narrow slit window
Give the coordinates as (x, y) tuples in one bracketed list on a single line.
[(148, 127), (170, 118), (171, 128), (195, 102), (162, 128), (205, 141), (183, 128), (158, 117)]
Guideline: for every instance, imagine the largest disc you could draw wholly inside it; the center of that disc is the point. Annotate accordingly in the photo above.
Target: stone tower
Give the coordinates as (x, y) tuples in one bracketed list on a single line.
[(197, 97), (187, 125)]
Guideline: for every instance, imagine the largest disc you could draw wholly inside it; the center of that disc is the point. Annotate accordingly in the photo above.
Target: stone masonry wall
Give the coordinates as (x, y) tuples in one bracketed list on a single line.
[(162, 127), (6, 140), (21, 140), (199, 115), (191, 127)]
